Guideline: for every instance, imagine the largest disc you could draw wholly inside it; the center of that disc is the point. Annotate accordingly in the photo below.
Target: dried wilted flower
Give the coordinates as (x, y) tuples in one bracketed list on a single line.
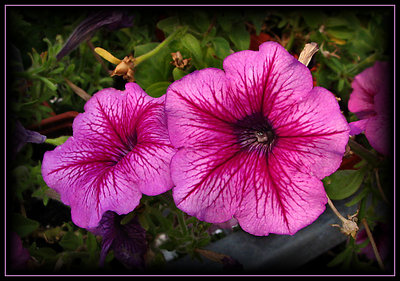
[(178, 61)]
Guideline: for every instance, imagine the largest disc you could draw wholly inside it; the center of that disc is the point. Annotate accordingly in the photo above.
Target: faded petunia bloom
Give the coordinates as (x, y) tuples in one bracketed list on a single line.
[(119, 150), (128, 241), (254, 142), (370, 103), (22, 136), (19, 256), (110, 19)]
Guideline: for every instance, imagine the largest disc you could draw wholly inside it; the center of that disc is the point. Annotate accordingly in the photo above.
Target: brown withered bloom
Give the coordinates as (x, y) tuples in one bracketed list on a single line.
[(125, 69), (178, 61)]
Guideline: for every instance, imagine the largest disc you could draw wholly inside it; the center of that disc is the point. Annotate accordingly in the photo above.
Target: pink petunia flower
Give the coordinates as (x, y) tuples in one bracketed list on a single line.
[(119, 150), (369, 101), (254, 142)]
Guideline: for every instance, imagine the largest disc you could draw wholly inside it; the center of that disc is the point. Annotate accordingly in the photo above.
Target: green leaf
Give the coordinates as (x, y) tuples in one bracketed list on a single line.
[(201, 20), (341, 257), (158, 65), (45, 253), (343, 183), (168, 25), (226, 20), (340, 85), (91, 242), (358, 198), (240, 37), (70, 241), (313, 19), (221, 47), (336, 21), (144, 48), (193, 45), (341, 32), (178, 73), (143, 221), (22, 176), (157, 89), (257, 18), (22, 225), (48, 83), (211, 60)]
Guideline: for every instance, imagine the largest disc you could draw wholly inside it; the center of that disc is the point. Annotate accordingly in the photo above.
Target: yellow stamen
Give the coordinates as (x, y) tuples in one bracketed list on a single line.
[(106, 55)]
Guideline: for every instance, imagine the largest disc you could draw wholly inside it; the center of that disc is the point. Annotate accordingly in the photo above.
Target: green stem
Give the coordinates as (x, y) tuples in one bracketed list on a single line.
[(144, 57), (363, 152), (182, 222), (289, 45), (367, 61), (57, 141)]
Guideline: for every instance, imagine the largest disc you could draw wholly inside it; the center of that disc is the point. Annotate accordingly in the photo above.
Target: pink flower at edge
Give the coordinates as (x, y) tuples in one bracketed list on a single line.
[(254, 142), (119, 149), (369, 101), (19, 256)]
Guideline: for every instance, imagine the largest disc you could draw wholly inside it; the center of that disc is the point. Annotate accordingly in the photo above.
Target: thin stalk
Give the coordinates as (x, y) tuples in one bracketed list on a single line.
[(378, 183), (363, 63), (182, 222), (363, 152), (343, 219), (291, 40), (289, 45), (373, 244), (144, 57)]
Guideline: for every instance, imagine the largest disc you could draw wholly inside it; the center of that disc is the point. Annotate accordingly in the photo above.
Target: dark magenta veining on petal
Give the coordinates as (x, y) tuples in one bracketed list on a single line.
[(255, 132), (128, 145)]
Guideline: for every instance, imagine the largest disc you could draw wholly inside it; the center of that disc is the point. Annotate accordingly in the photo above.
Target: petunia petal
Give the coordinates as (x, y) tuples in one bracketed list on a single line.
[(312, 133), (277, 198), (197, 109), (357, 127), (266, 195), (377, 132), (266, 80), (120, 149), (206, 182)]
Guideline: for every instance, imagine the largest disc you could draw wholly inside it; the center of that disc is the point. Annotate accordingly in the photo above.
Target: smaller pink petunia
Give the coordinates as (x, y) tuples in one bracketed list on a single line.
[(119, 149), (369, 101)]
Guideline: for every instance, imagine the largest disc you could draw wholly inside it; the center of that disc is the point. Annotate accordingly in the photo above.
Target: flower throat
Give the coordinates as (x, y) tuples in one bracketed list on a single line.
[(255, 132)]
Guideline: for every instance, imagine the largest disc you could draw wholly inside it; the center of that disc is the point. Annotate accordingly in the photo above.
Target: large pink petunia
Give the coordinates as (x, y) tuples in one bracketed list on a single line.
[(119, 150), (254, 142), (370, 103)]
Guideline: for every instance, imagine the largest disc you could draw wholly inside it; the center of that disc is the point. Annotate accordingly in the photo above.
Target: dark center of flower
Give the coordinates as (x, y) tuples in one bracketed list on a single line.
[(255, 132), (127, 147)]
